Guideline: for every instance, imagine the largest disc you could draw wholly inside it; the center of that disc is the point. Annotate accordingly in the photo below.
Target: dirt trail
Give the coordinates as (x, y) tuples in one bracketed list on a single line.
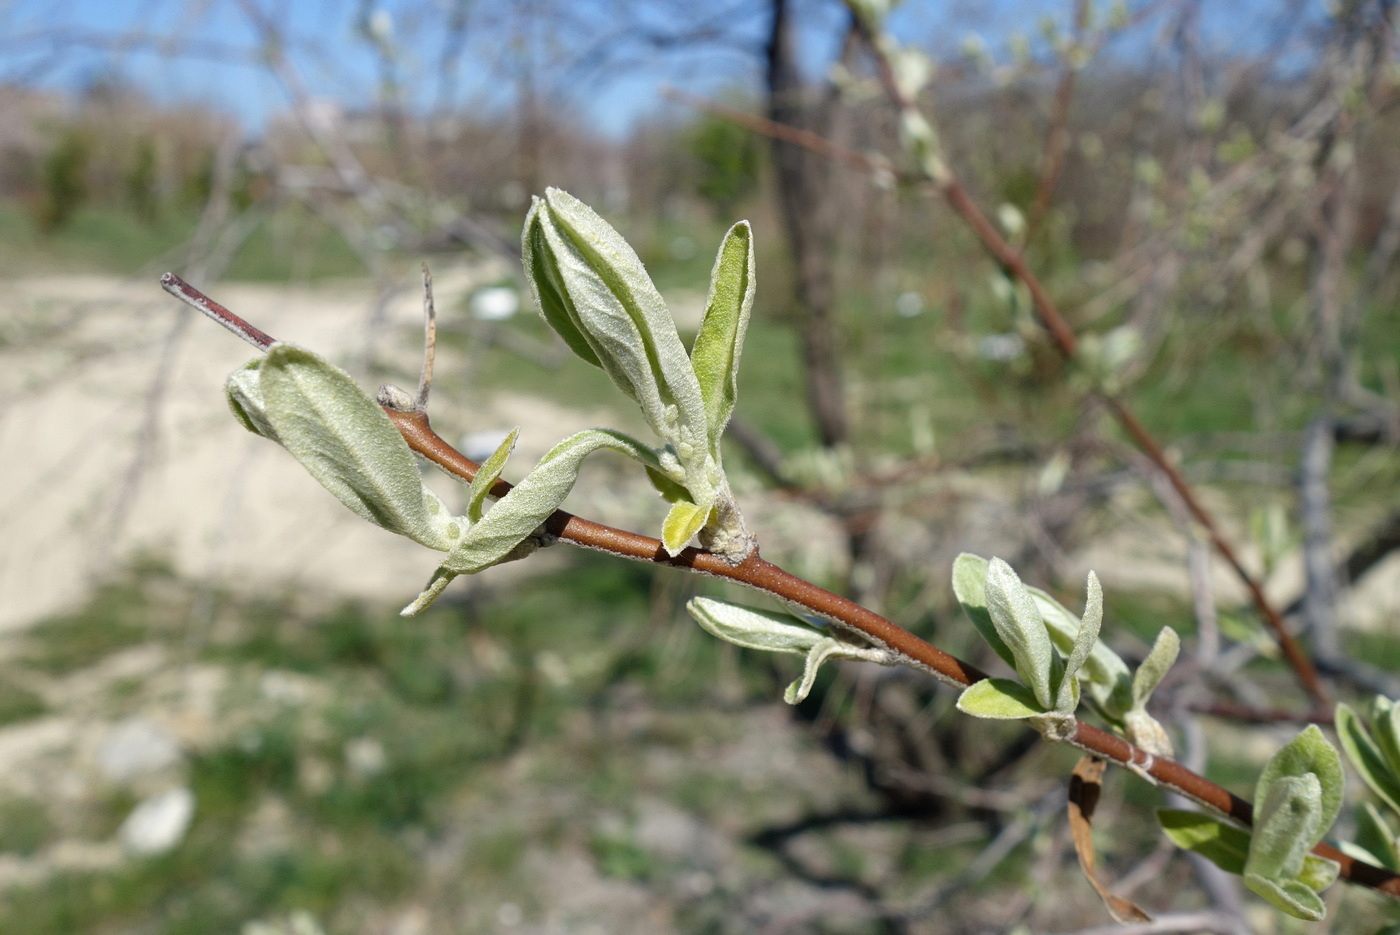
[(116, 440)]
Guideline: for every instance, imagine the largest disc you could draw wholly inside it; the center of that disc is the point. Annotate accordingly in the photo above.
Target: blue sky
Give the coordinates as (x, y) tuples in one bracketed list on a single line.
[(202, 51)]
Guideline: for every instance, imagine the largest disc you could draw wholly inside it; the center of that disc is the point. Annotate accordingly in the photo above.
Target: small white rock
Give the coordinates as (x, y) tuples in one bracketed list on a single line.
[(158, 823)]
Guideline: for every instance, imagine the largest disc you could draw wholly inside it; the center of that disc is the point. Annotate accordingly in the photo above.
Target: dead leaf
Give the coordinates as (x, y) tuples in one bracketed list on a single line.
[(1084, 787)]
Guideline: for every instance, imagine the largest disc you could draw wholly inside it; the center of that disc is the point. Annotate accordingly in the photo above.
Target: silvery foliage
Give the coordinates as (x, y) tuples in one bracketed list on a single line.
[(1374, 751), (1296, 800), (590, 287), (1057, 657), (783, 633)]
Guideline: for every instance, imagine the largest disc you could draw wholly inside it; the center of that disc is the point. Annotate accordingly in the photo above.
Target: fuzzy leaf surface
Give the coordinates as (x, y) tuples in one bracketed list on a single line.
[(342, 437), (999, 699), (720, 340), (1019, 624)]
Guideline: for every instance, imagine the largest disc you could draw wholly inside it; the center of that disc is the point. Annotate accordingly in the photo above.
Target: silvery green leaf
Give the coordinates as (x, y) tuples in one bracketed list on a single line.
[(1222, 844), (503, 531), (1104, 677), (1291, 895), (1286, 826), (547, 286), (1158, 662), (487, 475), (682, 522), (754, 629), (720, 340), (1308, 753), (245, 399), (832, 648), (1373, 834), (1018, 623), (1366, 757), (613, 306), (1385, 728), (999, 699), (342, 437), (1066, 694), (970, 588)]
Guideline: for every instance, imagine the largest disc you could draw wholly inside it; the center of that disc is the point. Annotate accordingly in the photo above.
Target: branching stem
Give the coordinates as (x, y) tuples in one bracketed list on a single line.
[(764, 576)]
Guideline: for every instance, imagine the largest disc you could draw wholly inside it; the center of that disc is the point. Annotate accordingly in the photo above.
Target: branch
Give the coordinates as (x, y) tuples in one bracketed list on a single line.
[(1066, 342), (768, 578)]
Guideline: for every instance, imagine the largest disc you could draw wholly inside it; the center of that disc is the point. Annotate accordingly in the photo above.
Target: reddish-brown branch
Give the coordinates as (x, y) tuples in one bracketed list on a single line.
[(764, 576)]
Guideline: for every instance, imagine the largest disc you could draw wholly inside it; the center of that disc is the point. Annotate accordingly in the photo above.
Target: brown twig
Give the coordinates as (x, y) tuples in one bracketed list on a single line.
[(768, 578), (1067, 343)]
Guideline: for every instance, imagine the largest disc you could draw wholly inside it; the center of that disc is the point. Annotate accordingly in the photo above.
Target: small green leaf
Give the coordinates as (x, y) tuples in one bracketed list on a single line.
[(1286, 826), (1309, 752), (683, 521), (1000, 699), (670, 491), (1385, 727), (1373, 834), (487, 475), (798, 691), (1019, 624), (1158, 662), (1104, 677), (754, 629), (1366, 757), (720, 340), (1222, 844), (342, 437), (502, 533), (1319, 872), (1067, 695), (970, 588), (1292, 896)]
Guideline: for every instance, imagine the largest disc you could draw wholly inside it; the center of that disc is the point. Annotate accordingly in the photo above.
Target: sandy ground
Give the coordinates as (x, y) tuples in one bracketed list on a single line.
[(116, 440)]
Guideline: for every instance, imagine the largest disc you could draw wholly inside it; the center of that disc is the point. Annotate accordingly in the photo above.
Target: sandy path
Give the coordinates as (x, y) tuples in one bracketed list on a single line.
[(115, 439)]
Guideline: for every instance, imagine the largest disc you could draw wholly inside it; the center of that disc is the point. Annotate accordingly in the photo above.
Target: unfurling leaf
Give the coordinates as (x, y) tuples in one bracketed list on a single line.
[(1067, 694), (244, 396), (592, 288), (754, 629), (781, 633), (487, 475), (505, 532), (720, 340), (342, 437)]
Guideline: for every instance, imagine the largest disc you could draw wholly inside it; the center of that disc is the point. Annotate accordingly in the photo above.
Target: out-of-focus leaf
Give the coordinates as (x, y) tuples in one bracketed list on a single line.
[(1366, 757)]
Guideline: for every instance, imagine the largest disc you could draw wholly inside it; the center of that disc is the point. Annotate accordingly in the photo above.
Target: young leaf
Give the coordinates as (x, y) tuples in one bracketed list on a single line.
[(1104, 677), (999, 699), (1066, 694), (1222, 844), (720, 341), (1385, 728), (1292, 896), (1018, 623), (1308, 753), (683, 521), (1285, 827), (487, 475), (342, 437), (1367, 757), (503, 531), (1373, 835), (615, 309), (753, 629), (970, 588), (1158, 662)]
